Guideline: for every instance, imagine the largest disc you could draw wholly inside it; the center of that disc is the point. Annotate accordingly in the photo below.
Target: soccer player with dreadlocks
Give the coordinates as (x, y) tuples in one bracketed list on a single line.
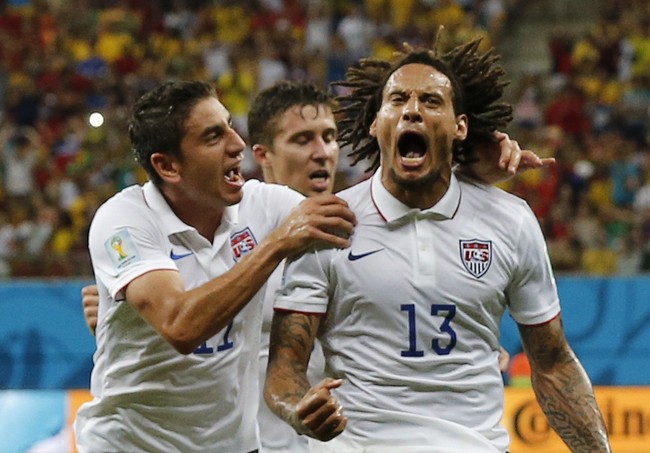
[(409, 314)]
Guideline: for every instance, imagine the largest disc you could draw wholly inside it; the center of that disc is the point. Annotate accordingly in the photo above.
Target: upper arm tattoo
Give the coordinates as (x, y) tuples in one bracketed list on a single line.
[(546, 344), (292, 337)]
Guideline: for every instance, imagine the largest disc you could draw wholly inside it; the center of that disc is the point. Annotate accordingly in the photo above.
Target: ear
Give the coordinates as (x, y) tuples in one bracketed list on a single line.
[(373, 128), (168, 167), (461, 127), (261, 155)]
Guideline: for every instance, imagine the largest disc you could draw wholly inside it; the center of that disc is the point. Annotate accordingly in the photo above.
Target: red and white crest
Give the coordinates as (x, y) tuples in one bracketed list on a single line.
[(476, 256), (242, 242)]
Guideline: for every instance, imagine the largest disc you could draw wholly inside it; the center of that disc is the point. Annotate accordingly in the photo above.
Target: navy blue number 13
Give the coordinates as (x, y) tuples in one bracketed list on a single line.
[(448, 311)]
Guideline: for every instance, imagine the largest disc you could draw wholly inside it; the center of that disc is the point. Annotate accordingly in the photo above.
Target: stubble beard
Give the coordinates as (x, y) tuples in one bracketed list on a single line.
[(424, 181)]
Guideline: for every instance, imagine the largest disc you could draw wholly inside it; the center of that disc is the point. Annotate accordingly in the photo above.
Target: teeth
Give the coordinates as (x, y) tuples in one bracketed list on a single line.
[(412, 159), (231, 175)]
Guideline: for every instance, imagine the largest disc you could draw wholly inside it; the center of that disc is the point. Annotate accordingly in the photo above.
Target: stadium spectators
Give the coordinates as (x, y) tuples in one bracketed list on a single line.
[(54, 72)]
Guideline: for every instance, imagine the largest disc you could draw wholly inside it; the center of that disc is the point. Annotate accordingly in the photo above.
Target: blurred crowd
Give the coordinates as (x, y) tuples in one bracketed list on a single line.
[(592, 112), (71, 69)]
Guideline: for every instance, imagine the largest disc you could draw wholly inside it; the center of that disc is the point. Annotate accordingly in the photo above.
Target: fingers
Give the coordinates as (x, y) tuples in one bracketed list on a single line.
[(331, 427), (89, 290), (530, 160), (90, 303), (504, 360), (511, 153), (325, 219), (330, 206), (512, 158), (320, 412)]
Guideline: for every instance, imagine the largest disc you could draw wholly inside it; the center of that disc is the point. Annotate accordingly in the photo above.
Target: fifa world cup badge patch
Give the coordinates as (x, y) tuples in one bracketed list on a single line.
[(121, 248), (476, 256), (241, 243)]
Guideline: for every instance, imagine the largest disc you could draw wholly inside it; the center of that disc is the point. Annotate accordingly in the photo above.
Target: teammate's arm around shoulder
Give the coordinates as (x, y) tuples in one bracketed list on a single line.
[(312, 411), (325, 219), (187, 318), (499, 159), (563, 389)]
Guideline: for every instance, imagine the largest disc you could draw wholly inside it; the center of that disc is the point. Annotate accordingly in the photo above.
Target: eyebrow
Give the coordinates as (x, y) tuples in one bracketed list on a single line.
[(396, 91), (312, 133), (217, 129)]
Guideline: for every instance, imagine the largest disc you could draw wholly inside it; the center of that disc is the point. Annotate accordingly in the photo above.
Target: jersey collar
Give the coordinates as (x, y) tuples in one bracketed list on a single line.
[(391, 209), (169, 221)]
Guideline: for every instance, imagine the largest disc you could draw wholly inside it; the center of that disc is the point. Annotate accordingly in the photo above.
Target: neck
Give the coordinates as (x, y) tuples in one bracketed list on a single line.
[(193, 212), (421, 194)]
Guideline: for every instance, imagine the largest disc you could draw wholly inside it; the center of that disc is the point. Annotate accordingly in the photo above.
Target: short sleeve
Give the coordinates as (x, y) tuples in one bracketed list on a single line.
[(124, 245), (532, 292), (305, 283)]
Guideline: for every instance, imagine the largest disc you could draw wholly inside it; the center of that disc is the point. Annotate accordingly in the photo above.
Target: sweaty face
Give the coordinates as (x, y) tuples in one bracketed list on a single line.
[(212, 153), (304, 153), (415, 128)]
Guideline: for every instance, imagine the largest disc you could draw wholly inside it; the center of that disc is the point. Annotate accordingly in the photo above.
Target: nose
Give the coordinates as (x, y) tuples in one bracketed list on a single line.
[(411, 111), (236, 144), (321, 150)]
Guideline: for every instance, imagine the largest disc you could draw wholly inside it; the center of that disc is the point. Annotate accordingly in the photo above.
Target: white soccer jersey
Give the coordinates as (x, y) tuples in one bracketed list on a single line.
[(147, 396), (413, 309)]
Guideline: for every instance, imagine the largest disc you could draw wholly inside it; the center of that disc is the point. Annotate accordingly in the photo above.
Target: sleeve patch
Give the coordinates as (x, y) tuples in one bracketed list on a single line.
[(122, 250)]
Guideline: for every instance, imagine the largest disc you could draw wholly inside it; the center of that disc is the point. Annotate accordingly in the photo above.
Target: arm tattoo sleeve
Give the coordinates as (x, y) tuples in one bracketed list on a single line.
[(292, 340), (563, 389)]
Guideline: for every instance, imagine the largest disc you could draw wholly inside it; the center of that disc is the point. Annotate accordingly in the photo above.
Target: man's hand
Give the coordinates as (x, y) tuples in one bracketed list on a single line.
[(501, 159), (321, 219), (320, 413), (504, 359), (90, 303)]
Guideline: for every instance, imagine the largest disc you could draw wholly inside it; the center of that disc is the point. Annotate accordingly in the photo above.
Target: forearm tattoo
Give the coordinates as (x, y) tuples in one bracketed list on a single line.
[(292, 339), (563, 389)]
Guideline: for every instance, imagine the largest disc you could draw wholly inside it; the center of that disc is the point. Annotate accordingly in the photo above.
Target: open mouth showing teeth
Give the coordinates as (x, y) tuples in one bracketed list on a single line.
[(319, 176), (233, 175), (411, 146)]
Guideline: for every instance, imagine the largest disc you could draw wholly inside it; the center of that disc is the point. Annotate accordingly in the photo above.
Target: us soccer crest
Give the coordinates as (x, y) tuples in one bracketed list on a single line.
[(242, 242), (476, 256)]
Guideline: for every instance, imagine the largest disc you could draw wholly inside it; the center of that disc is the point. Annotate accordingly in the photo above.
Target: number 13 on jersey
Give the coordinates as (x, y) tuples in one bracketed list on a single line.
[(439, 346)]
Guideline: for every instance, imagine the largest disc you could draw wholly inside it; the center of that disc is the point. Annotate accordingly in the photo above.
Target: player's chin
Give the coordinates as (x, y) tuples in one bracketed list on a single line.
[(231, 197)]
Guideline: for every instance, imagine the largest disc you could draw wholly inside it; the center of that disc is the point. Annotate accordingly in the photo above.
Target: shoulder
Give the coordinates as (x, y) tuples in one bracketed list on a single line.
[(267, 204), (126, 209), (268, 195), (123, 202), (498, 198), (357, 196), (495, 205)]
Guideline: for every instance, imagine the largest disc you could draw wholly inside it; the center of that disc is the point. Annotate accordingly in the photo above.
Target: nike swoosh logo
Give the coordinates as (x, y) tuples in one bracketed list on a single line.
[(175, 257), (353, 257)]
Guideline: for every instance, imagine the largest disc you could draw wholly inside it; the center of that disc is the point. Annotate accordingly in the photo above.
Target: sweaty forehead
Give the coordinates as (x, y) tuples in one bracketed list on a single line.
[(207, 111), (299, 116), (309, 111), (417, 76)]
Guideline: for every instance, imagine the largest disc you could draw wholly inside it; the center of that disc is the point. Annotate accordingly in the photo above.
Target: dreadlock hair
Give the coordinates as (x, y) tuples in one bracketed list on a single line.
[(477, 87), (272, 102), (157, 123)]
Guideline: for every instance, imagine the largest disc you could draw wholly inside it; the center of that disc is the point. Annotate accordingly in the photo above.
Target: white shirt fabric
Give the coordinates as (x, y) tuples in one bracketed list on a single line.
[(412, 313), (147, 396)]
